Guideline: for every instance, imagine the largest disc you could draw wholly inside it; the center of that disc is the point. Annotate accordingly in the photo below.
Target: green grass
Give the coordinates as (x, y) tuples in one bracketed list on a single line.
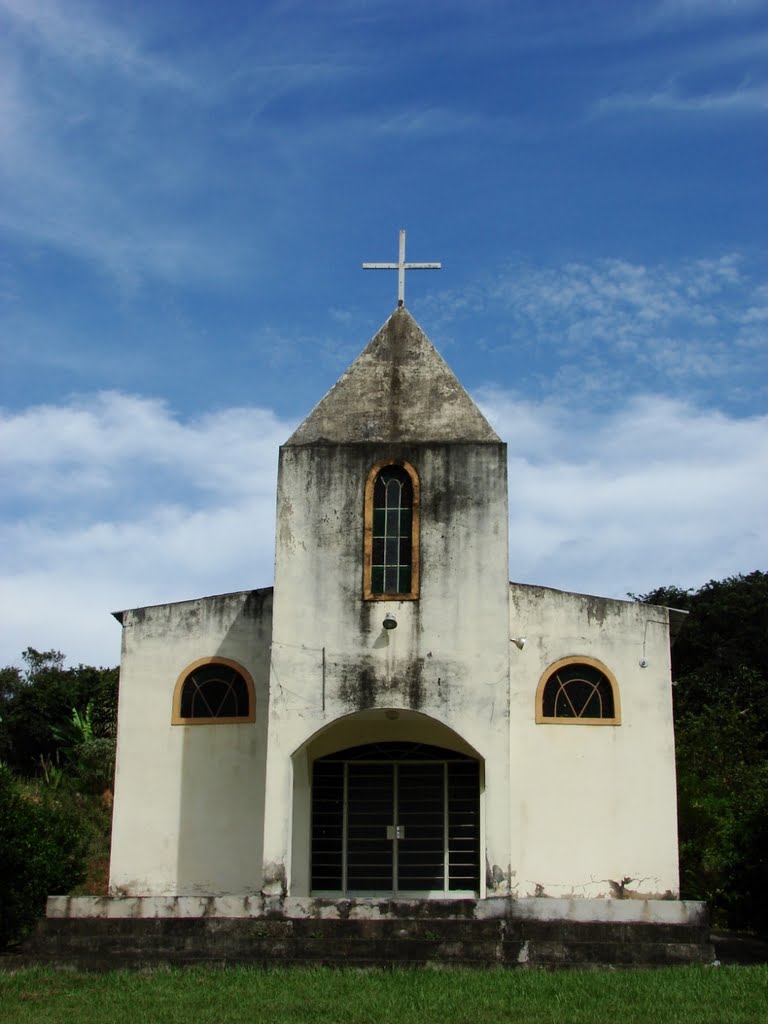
[(695, 995)]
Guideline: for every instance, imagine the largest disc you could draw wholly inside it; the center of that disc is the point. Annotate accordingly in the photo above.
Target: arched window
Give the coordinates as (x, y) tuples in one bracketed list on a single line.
[(214, 691), (391, 534), (578, 691)]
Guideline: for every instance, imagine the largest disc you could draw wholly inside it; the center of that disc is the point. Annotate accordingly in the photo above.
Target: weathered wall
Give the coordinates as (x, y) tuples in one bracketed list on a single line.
[(593, 806), (189, 799), (447, 659), (565, 810)]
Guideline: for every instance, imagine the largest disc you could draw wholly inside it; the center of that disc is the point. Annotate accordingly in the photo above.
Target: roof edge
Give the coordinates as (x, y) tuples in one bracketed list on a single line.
[(186, 600)]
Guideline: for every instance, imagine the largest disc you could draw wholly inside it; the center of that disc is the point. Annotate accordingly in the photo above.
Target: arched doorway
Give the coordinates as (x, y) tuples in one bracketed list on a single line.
[(395, 818)]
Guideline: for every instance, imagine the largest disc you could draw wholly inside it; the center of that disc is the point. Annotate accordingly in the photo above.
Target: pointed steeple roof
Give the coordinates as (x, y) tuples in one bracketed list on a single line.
[(398, 389)]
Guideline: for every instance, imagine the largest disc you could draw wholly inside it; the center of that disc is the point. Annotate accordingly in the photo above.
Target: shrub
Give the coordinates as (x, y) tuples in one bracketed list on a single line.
[(42, 850)]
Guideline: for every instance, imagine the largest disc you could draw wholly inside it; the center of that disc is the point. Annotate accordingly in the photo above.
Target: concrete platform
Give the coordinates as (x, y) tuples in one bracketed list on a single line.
[(103, 933)]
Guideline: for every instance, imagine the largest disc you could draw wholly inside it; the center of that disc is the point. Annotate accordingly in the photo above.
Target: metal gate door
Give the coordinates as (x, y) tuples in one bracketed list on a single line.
[(395, 826), (370, 810)]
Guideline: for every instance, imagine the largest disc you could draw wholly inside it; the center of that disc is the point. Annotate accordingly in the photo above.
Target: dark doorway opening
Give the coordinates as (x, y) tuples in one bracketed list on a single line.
[(396, 819)]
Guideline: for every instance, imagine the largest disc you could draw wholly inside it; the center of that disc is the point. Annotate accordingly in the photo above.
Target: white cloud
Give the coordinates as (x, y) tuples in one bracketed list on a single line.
[(58, 453), (656, 493), (112, 501)]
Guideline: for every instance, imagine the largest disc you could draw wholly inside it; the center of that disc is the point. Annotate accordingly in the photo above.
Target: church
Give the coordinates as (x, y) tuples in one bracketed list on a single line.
[(393, 720)]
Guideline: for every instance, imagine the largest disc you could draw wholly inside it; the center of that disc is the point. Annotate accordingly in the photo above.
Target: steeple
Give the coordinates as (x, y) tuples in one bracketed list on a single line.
[(399, 389)]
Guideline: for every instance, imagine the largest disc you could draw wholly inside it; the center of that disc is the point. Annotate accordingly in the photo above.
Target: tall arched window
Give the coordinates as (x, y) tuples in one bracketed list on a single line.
[(391, 536)]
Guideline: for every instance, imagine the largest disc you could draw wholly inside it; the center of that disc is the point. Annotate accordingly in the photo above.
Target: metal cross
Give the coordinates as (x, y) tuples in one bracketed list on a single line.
[(401, 266)]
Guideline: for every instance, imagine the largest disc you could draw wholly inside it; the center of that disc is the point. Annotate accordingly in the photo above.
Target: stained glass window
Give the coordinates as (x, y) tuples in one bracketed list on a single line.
[(391, 535)]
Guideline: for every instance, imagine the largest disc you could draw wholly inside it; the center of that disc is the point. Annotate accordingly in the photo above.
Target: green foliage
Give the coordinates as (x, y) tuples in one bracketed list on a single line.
[(720, 667), (94, 765), (57, 737), (90, 758), (726, 632), (42, 849), (723, 798), (36, 704)]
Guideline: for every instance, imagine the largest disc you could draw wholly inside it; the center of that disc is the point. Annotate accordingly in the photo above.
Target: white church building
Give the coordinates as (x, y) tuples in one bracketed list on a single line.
[(394, 719)]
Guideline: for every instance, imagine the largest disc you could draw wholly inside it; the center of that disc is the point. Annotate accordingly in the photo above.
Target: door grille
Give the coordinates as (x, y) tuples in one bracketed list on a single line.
[(394, 824)]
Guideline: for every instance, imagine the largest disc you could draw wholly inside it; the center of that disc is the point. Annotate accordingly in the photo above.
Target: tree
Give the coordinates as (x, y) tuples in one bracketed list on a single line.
[(721, 654), (57, 737), (36, 702), (720, 668)]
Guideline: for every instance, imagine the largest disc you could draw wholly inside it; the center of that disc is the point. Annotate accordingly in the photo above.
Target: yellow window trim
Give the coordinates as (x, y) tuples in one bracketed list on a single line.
[(368, 594), (176, 718), (578, 660)]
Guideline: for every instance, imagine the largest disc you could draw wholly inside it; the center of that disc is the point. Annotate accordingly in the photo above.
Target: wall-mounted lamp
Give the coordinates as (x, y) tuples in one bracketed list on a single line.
[(519, 641), (390, 622)]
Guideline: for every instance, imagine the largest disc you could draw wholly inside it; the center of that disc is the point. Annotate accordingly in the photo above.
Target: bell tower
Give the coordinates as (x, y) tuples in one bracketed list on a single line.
[(391, 597)]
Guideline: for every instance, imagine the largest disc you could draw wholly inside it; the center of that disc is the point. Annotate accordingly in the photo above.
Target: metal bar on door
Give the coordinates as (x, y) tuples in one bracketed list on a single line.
[(395, 841), (446, 852), (345, 829)]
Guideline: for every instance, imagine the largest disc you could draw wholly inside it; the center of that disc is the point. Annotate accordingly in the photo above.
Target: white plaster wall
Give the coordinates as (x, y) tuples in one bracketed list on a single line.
[(447, 659), (189, 799), (592, 804)]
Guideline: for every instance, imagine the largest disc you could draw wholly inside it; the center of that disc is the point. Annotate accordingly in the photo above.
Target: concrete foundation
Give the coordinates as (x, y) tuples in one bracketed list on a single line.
[(103, 933)]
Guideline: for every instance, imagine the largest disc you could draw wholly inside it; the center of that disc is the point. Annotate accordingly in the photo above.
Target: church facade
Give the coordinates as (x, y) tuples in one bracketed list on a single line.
[(394, 718)]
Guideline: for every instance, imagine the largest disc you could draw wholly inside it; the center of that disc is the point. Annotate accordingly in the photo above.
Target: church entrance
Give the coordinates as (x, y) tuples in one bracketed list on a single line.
[(396, 819)]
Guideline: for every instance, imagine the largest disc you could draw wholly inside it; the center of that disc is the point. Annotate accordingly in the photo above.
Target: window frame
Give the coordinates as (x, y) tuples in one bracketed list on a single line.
[(413, 594), (541, 719), (176, 717)]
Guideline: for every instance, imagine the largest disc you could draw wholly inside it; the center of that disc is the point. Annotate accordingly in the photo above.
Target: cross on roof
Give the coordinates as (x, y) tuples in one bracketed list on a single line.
[(401, 266)]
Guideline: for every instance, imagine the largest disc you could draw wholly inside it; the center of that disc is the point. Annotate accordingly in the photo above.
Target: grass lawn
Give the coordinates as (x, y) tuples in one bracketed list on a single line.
[(724, 995)]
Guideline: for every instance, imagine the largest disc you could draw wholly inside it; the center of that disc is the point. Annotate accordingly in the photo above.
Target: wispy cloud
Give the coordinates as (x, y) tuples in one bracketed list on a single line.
[(613, 294), (614, 327), (73, 141), (113, 501), (73, 32), (704, 9), (746, 98), (425, 123), (114, 154)]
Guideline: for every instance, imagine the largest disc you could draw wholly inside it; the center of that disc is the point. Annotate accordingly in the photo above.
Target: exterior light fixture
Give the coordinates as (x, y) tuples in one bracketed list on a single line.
[(519, 641), (390, 622)]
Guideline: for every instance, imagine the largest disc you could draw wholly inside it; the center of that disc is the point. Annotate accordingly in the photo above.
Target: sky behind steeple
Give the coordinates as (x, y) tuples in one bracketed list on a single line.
[(187, 193)]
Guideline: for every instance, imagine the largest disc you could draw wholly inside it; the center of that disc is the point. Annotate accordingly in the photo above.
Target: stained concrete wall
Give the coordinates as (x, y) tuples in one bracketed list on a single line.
[(189, 799), (565, 810), (594, 807), (447, 661)]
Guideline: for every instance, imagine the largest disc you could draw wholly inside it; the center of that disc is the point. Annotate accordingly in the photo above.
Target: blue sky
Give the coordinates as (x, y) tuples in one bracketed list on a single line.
[(187, 193)]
